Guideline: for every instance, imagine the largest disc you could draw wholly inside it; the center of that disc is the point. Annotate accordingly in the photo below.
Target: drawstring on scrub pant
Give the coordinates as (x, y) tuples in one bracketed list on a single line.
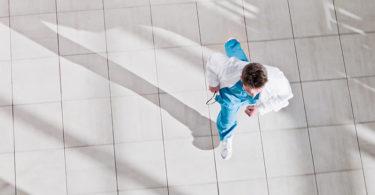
[(210, 102)]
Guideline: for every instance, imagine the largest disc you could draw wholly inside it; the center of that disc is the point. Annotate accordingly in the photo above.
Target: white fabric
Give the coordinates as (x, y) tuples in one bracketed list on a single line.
[(225, 72)]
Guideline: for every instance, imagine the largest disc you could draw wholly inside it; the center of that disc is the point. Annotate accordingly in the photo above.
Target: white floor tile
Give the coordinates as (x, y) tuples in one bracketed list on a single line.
[(335, 148), (81, 32), (4, 8), (181, 29), (341, 183), (366, 134), (72, 5), (280, 53), (87, 122), (320, 58), (5, 83), (180, 69), (246, 161), (152, 191), (206, 189), (359, 54), (312, 18), (84, 76), (256, 186), (141, 165), (220, 20), (129, 76), (185, 115), (156, 2), (7, 177), (129, 29), (4, 39), (6, 130), (106, 193), (24, 7), (34, 36), (110, 4), (129, 114), (292, 116), (182, 170), (267, 19), (370, 179), (41, 172), (327, 102), (287, 153), (38, 126), (36, 80), (355, 16), (293, 185), (90, 170)]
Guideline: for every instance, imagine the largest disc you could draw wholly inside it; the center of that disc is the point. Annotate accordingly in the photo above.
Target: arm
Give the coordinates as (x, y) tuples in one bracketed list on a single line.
[(274, 104), (214, 68), (276, 96)]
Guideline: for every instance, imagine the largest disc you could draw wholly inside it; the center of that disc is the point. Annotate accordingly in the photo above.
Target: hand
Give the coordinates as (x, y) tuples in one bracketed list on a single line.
[(251, 110), (214, 89)]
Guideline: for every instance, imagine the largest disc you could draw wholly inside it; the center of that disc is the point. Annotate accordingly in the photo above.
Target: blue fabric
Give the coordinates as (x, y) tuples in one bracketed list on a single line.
[(233, 49), (231, 99)]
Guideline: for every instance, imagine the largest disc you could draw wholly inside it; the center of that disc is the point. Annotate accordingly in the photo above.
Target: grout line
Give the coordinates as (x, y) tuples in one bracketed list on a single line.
[(61, 94), (335, 79), (159, 101), (350, 98), (209, 111), (35, 58), (96, 9), (12, 106), (258, 119), (318, 173), (31, 14), (264, 156), (303, 98), (160, 93), (185, 138), (338, 171), (181, 138), (110, 100)]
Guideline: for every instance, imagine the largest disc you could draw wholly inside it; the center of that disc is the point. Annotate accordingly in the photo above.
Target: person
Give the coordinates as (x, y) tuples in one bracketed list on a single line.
[(239, 82)]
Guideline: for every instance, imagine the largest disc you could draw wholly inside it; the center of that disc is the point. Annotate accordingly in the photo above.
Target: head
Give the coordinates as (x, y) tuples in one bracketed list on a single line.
[(254, 77)]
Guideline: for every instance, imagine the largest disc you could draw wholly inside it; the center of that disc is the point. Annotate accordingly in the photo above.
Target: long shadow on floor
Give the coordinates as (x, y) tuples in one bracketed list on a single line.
[(182, 112), (198, 124), (45, 128), (9, 189)]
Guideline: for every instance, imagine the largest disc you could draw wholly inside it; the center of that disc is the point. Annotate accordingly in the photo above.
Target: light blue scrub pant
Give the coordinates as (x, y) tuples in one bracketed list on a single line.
[(231, 99)]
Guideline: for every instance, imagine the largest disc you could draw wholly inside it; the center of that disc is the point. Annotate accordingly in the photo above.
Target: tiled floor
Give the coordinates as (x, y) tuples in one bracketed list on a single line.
[(106, 97)]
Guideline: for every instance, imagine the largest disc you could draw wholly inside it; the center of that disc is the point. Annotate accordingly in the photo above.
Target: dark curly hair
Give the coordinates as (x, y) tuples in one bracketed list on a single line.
[(254, 75)]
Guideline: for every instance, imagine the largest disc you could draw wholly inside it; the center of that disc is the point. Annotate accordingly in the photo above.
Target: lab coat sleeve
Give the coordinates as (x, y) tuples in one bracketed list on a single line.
[(275, 103), (278, 97), (214, 68)]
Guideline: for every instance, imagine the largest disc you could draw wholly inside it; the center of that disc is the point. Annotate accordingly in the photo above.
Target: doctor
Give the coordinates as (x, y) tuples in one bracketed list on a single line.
[(240, 83)]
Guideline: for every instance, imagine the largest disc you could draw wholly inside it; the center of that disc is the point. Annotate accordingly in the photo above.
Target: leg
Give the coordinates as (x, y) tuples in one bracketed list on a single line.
[(226, 122), (233, 49)]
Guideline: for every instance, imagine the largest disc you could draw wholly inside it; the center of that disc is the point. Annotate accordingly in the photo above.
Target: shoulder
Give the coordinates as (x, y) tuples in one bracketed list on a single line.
[(277, 82), (218, 57)]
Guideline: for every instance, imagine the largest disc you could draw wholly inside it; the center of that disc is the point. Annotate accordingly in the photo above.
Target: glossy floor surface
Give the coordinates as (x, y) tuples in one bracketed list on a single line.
[(107, 97)]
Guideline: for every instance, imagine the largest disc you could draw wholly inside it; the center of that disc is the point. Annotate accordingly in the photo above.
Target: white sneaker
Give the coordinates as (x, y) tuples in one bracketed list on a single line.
[(226, 148)]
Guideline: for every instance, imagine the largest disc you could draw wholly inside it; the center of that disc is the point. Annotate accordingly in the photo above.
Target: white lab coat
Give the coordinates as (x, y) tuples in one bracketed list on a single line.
[(225, 72)]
